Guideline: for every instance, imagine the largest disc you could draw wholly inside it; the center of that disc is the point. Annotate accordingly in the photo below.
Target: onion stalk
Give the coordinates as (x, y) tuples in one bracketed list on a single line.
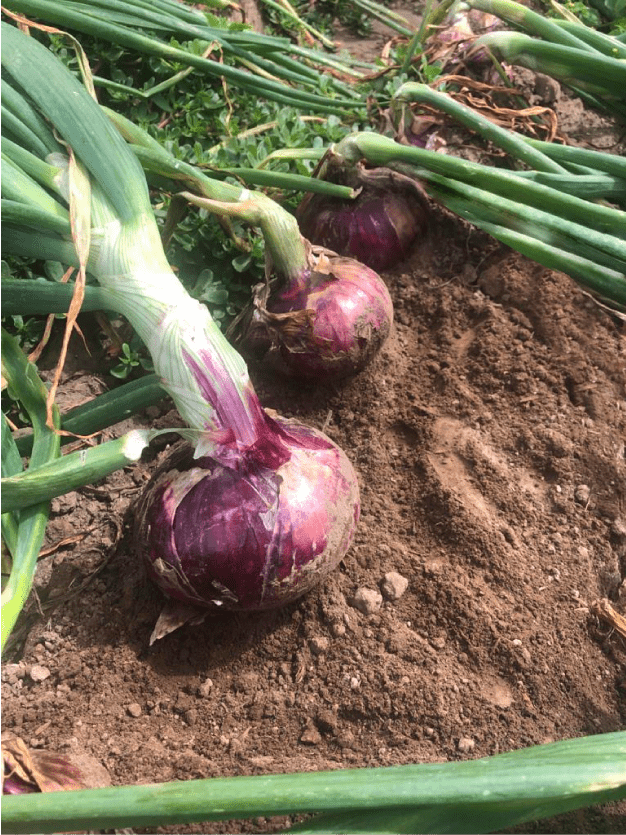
[(138, 27), (386, 16), (273, 503), (76, 469), (542, 157), (507, 140), (572, 157), (532, 22), (598, 74), (477, 795), (24, 526), (605, 44)]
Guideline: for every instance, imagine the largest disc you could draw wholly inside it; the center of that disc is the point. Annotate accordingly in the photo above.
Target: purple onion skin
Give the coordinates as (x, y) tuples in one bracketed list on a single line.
[(47, 772), (13, 785), (377, 228), (251, 538), (350, 317)]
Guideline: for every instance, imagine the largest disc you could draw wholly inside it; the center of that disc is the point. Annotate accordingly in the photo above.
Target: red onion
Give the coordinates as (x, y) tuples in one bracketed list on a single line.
[(452, 44), (260, 509), (325, 315), (253, 536), (378, 227), (327, 322)]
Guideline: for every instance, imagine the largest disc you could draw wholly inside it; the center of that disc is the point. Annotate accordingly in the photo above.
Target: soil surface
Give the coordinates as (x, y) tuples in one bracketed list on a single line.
[(489, 440), (488, 436)]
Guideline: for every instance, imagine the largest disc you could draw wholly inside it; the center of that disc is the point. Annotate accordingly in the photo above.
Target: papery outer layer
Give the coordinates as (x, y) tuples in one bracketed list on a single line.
[(350, 317)]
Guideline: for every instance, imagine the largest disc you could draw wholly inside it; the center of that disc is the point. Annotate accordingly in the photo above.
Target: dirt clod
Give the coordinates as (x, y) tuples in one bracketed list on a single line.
[(393, 585), (582, 493), (204, 689), (311, 736), (466, 744), (39, 673), (319, 644)]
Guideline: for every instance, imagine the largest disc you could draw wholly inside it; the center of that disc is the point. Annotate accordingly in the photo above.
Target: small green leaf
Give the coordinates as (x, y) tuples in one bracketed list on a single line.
[(242, 262)]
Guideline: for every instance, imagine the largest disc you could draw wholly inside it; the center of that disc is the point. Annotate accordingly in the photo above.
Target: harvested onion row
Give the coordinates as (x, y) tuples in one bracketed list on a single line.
[(549, 213)]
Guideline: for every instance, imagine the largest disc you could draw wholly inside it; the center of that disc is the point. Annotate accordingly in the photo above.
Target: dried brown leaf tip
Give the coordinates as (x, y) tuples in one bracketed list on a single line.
[(603, 610)]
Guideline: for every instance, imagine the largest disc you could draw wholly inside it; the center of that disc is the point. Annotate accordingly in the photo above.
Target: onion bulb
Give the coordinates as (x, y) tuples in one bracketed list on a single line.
[(324, 316), (452, 44), (254, 536), (378, 228), (326, 322)]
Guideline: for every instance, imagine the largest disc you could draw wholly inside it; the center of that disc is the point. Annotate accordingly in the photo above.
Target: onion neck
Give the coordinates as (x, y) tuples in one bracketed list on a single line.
[(205, 376), (284, 244), (286, 250)]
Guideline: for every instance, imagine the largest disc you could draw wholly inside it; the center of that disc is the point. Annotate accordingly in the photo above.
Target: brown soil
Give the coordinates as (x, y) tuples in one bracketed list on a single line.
[(489, 440)]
